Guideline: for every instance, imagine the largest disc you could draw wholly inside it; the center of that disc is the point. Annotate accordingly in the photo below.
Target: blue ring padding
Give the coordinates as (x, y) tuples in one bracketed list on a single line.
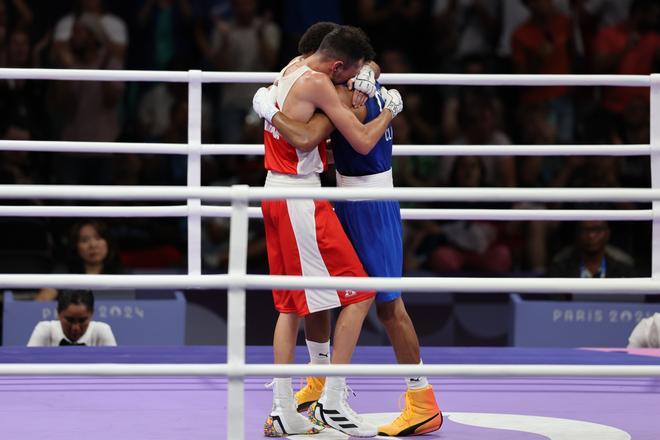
[(366, 355)]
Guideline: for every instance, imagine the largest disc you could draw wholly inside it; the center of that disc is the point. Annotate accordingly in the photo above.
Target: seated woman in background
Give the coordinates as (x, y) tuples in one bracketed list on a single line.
[(74, 325), (91, 252)]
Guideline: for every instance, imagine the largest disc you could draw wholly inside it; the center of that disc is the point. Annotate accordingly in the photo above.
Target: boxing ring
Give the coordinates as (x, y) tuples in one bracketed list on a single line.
[(215, 393)]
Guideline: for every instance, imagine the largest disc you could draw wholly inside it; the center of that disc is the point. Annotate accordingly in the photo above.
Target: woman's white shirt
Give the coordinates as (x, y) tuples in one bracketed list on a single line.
[(50, 334)]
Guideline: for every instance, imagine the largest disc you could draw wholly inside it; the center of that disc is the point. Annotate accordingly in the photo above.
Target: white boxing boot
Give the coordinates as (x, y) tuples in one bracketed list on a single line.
[(284, 419), (333, 410)]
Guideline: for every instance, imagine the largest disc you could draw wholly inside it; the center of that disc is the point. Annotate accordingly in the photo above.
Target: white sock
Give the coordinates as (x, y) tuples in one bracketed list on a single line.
[(335, 383), (417, 383), (319, 352), (282, 388)]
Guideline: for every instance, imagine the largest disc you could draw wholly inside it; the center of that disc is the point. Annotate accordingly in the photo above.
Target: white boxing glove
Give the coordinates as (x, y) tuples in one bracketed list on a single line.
[(365, 81), (264, 101), (393, 100)]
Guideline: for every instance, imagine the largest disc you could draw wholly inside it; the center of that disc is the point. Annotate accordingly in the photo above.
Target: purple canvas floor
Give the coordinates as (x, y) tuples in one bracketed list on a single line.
[(194, 408)]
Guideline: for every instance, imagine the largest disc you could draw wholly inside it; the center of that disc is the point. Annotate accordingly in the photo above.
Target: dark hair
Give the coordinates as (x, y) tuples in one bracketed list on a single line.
[(314, 35), (111, 264), (67, 297), (348, 44)]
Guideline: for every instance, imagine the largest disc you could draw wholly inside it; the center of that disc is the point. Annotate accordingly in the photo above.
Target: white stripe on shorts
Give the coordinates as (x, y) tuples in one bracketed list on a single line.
[(303, 222)]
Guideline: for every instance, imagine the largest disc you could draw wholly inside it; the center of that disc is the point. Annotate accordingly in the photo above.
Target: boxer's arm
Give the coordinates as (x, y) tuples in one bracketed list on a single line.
[(362, 137), (305, 136)]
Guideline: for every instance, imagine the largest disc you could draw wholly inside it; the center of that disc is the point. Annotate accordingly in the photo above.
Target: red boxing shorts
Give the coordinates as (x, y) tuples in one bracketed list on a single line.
[(304, 237)]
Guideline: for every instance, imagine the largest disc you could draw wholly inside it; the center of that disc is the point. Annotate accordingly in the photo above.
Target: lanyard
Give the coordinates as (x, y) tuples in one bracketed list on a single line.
[(584, 272)]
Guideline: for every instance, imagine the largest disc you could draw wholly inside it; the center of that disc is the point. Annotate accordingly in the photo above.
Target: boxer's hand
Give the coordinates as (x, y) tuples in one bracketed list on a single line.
[(359, 98), (393, 101), (263, 103), (365, 81)]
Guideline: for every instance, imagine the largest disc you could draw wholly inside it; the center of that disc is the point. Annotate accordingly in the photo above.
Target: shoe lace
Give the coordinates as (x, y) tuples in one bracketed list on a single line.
[(406, 408), (347, 407)]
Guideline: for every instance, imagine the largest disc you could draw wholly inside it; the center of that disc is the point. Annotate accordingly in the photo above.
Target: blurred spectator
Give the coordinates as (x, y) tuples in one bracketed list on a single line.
[(464, 27), (527, 240), (22, 101), (250, 42), (74, 326), (155, 108), (592, 15), (544, 44), (396, 61), (591, 255), (163, 118), (411, 170), (513, 14), (632, 128), (592, 172), (398, 24), (148, 245), (605, 12), (458, 246), (164, 33), (646, 333), (629, 48), (215, 247), (14, 15), (87, 41), (15, 166), (298, 15), (478, 123), (91, 251), (109, 29), (207, 12), (22, 116), (172, 169)]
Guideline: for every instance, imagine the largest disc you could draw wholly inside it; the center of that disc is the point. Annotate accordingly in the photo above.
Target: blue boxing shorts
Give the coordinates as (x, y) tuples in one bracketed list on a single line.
[(374, 228)]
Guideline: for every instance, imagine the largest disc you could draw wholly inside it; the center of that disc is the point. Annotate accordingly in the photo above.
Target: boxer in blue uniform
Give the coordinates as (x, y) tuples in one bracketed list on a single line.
[(374, 228)]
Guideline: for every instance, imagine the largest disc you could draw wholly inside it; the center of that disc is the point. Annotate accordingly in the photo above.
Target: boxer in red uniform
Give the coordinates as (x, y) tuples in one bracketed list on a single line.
[(304, 237)]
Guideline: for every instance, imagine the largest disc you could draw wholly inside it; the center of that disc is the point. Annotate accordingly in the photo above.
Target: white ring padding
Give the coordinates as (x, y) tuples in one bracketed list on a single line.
[(386, 78), (95, 147), (93, 211), (408, 194), (255, 212), (526, 214), (522, 150), (398, 150), (462, 79), (266, 282), (243, 370)]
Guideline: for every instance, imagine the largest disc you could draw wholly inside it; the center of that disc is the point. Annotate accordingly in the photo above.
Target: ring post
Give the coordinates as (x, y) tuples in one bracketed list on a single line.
[(655, 172), (238, 241), (194, 171)]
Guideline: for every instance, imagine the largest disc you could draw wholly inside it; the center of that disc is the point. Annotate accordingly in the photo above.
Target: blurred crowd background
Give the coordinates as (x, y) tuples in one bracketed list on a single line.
[(410, 36)]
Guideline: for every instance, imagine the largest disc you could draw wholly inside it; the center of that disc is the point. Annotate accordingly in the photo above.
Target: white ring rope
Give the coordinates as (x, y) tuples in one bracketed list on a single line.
[(406, 213), (458, 370), (94, 211), (408, 194), (267, 282), (398, 150), (237, 281), (386, 78), (96, 147)]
